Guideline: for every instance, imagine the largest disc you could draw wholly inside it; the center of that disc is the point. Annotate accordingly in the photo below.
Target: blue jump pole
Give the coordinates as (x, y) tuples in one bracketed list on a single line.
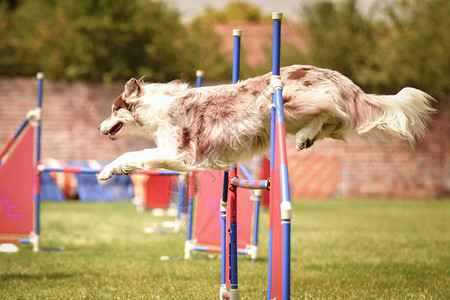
[(234, 291), (272, 176), (199, 75), (199, 82), (190, 214), (37, 196), (191, 181), (181, 199), (280, 162), (223, 236), (223, 232), (191, 194), (237, 34)]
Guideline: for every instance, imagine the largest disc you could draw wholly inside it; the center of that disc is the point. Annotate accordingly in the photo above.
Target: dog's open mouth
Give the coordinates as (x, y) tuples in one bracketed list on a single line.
[(114, 130)]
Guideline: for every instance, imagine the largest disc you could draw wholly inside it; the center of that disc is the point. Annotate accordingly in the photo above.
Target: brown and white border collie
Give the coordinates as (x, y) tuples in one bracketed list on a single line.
[(213, 127)]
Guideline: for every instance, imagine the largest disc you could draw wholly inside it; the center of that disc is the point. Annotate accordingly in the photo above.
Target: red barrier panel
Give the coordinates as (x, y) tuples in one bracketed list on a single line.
[(16, 188), (207, 211), (158, 191)]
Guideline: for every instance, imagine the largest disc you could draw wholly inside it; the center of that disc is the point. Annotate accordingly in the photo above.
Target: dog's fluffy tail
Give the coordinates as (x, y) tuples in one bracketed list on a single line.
[(404, 115)]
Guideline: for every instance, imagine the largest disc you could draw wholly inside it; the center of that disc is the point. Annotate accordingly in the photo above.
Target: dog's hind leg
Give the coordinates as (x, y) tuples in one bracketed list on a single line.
[(148, 159), (307, 135)]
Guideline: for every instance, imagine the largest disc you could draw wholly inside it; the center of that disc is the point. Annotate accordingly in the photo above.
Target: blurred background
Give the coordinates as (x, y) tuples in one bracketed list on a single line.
[(88, 49)]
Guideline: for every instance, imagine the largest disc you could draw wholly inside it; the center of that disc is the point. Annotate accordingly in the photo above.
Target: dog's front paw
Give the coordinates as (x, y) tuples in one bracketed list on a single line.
[(303, 145), (106, 173), (115, 168)]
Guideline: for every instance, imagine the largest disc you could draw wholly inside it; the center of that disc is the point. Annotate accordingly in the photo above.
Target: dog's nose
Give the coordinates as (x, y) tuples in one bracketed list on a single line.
[(99, 127)]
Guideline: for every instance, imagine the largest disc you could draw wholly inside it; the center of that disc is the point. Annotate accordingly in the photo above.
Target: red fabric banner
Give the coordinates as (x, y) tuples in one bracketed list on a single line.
[(207, 213), (158, 191), (16, 188)]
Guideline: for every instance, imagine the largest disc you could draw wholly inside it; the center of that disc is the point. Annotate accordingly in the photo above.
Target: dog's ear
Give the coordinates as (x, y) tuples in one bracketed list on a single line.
[(133, 88)]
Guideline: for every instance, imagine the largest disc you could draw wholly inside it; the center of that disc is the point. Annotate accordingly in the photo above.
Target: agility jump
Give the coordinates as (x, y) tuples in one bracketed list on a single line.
[(20, 203), (278, 184), (205, 234)]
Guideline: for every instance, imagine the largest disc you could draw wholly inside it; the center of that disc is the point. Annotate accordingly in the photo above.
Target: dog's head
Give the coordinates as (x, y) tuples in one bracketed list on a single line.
[(121, 121)]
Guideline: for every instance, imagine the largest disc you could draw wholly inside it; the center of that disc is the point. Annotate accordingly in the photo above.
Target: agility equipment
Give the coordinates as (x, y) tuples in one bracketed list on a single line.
[(154, 191), (229, 272), (264, 172), (19, 180), (280, 204), (204, 231), (16, 191), (278, 184)]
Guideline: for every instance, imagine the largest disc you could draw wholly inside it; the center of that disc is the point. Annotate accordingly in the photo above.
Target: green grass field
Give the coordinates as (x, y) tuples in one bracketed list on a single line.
[(341, 249)]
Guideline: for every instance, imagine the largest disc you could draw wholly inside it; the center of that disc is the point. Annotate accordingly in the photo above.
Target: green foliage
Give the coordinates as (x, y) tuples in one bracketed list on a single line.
[(234, 11), (111, 40), (83, 39), (341, 37), (418, 49), (401, 43), (203, 51)]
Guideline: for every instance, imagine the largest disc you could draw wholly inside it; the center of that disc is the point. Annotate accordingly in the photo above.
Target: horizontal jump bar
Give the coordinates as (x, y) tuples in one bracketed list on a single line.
[(161, 172), (215, 249), (68, 169), (76, 169), (251, 184), (11, 239)]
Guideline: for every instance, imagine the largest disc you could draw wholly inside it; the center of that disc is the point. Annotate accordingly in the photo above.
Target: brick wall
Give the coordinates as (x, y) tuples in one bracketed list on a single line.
[(391, 169)]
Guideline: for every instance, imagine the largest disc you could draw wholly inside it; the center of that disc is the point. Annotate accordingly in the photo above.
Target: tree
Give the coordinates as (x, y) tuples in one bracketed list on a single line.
[(234, 11), (98, 40), (202, 50), (402, 43), (417, 51), (340, 37)]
